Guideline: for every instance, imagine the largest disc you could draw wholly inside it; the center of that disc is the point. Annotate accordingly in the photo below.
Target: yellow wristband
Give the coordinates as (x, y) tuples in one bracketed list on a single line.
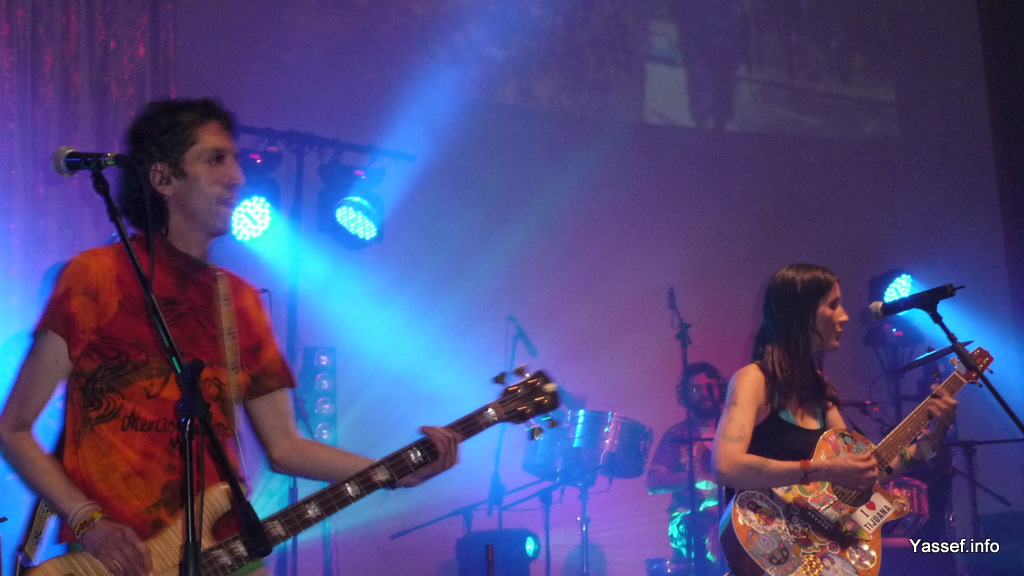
[(85, 523)]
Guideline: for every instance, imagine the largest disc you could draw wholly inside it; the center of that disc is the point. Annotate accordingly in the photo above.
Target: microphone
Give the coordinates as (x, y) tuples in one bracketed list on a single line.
[(521, 334), (66, 161), (922, 301)]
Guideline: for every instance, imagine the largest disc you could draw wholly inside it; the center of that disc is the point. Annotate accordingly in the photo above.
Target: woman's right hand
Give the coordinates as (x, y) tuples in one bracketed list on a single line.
[(858, 471)]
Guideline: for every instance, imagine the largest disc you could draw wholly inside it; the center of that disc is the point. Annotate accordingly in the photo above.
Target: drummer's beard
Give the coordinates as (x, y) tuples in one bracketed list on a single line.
[(706, 409)]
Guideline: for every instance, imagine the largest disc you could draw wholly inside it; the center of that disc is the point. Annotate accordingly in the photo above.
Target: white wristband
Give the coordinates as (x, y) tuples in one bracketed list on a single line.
[(925, 451)]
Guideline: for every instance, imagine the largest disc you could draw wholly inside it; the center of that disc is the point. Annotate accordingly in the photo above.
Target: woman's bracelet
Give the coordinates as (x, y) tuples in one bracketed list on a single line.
[(925, 450), (805, 465)]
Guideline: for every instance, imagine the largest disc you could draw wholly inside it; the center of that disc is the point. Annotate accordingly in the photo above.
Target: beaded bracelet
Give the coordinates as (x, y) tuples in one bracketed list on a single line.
[(805, 465), (906, 458)]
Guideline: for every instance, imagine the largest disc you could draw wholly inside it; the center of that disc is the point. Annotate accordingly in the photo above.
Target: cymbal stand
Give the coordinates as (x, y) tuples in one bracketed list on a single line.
[(970, 449)]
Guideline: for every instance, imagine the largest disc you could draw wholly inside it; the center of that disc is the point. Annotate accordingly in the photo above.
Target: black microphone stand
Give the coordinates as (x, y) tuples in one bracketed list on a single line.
[(932, 308), (683, 336), (933, 311), (191, 408), (496, 494)]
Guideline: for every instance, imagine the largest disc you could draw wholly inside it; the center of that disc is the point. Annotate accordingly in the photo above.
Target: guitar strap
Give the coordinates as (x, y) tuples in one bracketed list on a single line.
[(232, 355), (34, 531)]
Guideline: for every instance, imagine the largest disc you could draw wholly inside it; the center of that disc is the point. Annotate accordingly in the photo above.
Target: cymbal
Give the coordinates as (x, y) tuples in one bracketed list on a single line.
[(928, 357)]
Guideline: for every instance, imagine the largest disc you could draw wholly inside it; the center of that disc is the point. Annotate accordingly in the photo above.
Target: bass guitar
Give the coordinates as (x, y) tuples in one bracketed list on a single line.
[(818, 529), (520, 402)]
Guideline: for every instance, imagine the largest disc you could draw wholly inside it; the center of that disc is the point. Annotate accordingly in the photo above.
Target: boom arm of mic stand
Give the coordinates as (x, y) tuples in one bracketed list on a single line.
[(462, 511), (969, 362)]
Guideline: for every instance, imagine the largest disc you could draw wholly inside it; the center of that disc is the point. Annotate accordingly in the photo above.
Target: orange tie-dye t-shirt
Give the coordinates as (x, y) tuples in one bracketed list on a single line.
[(122, 441)]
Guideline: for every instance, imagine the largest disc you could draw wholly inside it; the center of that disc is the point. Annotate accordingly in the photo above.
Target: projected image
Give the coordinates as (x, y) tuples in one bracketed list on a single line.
[(781, 66)]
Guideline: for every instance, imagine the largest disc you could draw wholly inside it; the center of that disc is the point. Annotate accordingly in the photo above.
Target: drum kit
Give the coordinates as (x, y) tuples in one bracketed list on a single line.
[(588, 444)]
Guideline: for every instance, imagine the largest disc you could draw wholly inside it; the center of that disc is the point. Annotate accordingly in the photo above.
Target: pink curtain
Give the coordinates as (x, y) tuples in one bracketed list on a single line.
[(72, 72)]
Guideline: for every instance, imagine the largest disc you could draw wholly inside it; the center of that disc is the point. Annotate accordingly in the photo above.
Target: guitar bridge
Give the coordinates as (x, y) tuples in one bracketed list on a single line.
[(833, 529)]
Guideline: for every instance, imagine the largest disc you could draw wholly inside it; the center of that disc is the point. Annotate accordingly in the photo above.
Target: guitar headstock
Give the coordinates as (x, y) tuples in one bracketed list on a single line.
[(982, 358), (535, 394)]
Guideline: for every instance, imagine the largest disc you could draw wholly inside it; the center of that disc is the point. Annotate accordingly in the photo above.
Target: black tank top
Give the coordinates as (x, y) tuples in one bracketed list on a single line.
[(778, 439)]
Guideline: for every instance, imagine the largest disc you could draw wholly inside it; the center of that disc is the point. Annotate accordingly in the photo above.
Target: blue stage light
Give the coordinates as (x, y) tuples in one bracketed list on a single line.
[(513, 551), (359, 217), (349, 211), (899, 287), (254, 214), (251, 218), (532, 546)]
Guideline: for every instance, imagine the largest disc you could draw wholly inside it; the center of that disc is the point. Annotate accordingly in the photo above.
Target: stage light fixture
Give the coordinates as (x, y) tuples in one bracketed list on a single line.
[(514, 550), (260, 162), (254, 212), (890, 285), (259, 195), (895, 331), (318, 386), (349, 209), (900, 287)]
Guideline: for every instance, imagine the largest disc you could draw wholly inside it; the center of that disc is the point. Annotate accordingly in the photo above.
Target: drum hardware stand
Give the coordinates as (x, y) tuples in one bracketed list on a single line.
[(970, 449), (587, 481), (584, 521)]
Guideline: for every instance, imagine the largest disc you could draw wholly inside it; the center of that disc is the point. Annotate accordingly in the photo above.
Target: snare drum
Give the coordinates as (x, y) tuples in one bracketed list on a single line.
[(605, 442)]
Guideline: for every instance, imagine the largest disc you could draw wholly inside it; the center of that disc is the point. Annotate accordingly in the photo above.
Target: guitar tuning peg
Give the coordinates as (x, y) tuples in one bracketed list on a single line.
[(552, 423), (499, 379), (520, 371), (534, 432)]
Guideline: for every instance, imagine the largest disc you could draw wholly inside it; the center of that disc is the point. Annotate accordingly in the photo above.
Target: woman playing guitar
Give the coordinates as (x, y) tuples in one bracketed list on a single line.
[(780, 404)]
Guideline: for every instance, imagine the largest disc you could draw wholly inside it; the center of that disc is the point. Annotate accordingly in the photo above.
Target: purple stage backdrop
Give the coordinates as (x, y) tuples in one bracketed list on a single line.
[(561, 172)]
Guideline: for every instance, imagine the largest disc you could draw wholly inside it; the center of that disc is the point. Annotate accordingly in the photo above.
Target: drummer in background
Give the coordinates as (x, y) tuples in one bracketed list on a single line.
[(683, 460)]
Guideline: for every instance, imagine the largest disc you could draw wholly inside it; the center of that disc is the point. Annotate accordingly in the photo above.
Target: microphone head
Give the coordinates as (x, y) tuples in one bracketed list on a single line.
[(875, 311), (58, 161)]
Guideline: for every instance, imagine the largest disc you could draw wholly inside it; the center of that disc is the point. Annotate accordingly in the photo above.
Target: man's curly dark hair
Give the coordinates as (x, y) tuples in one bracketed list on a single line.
[(163, 132)]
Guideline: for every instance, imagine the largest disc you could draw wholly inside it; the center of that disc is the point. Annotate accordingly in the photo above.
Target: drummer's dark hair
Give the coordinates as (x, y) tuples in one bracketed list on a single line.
[(162, 133), (782, 347)]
